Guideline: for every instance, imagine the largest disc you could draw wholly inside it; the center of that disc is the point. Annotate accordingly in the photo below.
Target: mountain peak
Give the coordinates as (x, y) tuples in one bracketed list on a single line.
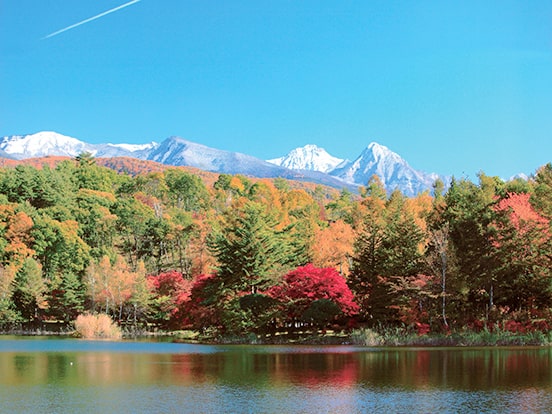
[(393, 171), (46, 143), (379, 151), (309, 157), (375, 146), (41, 144)]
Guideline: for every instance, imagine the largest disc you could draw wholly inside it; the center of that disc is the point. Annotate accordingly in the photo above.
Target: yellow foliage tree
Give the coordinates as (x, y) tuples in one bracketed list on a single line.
[(334, 246)]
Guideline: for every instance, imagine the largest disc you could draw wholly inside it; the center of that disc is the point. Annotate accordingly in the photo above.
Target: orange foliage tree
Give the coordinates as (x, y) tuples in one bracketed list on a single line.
[(334, 246), (17, 238), (109, 286)]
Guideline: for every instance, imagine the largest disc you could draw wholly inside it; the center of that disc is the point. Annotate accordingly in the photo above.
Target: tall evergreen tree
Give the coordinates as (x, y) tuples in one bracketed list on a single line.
[(65, 297), (388, 246), (365, 279), (251, 254), (248, 248), (29, 289), (542, 197), (469, 215)]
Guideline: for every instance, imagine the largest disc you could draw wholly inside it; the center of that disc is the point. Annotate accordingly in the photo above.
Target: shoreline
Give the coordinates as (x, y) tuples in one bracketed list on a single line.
[(363, 337)]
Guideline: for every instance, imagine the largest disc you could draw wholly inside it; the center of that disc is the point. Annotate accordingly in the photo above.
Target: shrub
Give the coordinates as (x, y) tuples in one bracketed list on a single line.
[(321, 312), (367, 337), (97, 326)]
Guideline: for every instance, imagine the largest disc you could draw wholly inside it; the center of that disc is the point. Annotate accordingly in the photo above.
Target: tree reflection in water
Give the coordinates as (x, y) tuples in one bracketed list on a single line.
[(303, 379)]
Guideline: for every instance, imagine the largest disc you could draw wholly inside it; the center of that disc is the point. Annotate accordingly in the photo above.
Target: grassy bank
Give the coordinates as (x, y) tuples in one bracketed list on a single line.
[(37, 329), (485, 337), (385, 337)]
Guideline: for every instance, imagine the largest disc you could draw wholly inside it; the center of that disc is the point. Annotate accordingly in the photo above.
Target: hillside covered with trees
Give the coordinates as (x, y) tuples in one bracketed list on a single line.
[(235, 255)]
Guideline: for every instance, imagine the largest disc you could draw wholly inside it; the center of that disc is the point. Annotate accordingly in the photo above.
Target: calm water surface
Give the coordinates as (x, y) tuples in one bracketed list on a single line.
[(74, 376)]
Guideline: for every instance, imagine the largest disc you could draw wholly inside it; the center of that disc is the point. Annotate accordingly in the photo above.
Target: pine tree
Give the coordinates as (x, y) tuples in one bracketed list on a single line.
[(252, 254), (248, 249), (366, 279), (388, 246), (29, 289), (468, 212), (542, 197), (65, 297)]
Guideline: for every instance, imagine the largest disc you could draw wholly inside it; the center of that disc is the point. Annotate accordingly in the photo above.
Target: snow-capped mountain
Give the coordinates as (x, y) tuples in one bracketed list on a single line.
[(4, 154), (520, 176), (46, 143), (42, 144), (309, 163), (310, 157), (179, 151), (393, 171)]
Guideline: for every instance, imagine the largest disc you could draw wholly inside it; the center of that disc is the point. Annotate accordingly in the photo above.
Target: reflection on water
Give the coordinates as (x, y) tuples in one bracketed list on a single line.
[(86, 376)]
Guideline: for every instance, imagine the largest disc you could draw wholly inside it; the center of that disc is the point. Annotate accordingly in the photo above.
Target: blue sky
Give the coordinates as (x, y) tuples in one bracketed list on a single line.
[(453, 87)]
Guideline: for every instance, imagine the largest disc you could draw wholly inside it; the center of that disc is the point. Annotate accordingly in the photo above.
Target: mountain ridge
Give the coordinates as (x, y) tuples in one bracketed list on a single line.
[(375, 159), (309, 163)]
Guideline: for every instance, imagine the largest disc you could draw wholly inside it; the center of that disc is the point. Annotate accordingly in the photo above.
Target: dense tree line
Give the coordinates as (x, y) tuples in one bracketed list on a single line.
[(248, 255)]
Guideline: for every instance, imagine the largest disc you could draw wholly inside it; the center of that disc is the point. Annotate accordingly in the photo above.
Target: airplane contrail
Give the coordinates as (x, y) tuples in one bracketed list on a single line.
[(130, 3)]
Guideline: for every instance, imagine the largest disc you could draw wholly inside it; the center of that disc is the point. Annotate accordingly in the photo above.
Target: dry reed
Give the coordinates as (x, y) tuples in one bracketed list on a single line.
[(99, 326)]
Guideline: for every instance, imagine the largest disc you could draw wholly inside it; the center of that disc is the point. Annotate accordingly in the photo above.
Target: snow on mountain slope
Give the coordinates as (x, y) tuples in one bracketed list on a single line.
[(124, 150), (310, 157), (393, 171), (179, 151), (42, 144), (4, 154), (309, 163), (134, 147), (51, 143)]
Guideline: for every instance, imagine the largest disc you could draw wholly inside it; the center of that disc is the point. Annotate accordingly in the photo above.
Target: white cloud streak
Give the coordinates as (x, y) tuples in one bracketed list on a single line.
[(130, 3)]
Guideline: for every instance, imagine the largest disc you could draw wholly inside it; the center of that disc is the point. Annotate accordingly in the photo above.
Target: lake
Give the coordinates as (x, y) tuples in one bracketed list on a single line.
[(45, 375)]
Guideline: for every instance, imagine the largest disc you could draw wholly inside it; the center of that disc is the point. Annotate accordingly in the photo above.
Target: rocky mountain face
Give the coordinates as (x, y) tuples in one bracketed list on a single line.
[(308, 163)]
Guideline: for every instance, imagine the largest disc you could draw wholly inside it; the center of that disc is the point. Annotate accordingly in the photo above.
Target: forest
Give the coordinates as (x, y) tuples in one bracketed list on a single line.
[(236, 255)]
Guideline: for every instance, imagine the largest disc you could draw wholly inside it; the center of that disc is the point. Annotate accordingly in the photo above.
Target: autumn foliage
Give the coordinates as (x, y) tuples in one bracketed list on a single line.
[(308, 284), (172, 248), (170, 291)]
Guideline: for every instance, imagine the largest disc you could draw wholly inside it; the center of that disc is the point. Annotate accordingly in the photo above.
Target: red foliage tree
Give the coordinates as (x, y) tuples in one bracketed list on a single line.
[(308, 284), (171, 291), (523, 244), (200, 310), (521, 214)]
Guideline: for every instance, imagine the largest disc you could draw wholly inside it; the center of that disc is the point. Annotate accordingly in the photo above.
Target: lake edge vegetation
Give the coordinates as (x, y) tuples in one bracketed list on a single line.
[(233, 258)]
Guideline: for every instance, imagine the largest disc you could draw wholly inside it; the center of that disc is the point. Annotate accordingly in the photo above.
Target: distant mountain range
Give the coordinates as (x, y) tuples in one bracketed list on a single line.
[(376, 159), (309, 163)]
